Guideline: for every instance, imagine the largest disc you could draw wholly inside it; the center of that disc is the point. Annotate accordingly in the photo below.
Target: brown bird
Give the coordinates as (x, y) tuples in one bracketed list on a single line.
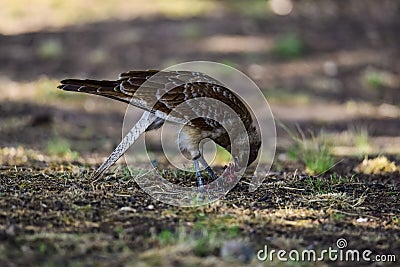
[(190, 98)]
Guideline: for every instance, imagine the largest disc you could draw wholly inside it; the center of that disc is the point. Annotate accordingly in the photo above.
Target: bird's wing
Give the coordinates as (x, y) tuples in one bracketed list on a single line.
[(163, 92)]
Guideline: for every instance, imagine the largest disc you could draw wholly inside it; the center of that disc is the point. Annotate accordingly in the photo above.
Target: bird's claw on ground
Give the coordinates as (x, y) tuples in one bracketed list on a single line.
[(228, 176), (229, 172)]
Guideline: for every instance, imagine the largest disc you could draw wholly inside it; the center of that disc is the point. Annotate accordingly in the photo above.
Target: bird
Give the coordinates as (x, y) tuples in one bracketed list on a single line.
[(181, 97)]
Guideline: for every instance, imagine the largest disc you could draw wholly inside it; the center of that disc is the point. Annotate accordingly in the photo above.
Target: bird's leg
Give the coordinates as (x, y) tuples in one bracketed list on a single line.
[(199, 159), (207, 167), (134, 133), (198, 174)]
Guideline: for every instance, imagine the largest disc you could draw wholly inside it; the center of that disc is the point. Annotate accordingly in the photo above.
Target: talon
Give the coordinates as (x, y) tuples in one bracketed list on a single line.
[(229, 173)]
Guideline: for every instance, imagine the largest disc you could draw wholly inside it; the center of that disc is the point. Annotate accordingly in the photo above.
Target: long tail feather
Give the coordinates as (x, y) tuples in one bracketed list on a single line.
[(110, 89)]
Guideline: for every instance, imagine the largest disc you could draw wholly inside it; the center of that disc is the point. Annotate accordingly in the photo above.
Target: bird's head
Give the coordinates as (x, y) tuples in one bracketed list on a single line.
[(244, 157)]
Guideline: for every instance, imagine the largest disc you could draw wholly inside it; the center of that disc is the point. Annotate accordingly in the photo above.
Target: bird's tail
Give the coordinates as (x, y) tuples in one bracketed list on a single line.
[(110, 89)]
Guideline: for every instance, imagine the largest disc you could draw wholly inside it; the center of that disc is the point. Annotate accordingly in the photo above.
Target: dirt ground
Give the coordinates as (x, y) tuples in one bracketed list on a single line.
[(343, 80)]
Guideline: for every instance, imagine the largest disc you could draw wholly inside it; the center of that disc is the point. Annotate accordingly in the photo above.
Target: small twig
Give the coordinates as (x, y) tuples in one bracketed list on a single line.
[(247, 183), (122, 195), (293, 188)]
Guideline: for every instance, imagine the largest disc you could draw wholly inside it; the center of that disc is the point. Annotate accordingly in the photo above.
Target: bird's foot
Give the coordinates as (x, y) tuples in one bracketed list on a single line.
[(229, 172), (98, 173)]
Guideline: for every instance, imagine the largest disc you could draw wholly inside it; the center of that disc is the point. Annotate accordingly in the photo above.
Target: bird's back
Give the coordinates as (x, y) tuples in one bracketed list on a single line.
[(166, 91)]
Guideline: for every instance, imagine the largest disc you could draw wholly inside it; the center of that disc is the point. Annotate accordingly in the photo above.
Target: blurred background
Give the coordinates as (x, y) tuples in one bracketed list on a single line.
[(325, 64)]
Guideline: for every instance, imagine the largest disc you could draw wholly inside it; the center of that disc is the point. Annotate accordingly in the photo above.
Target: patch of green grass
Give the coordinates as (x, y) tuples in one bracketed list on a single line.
[(250, 8), (289, 46), (338, 179), (317, 158), (207, 242), (98, 56), (50, 49), (23, 185), (286, 96), (42, 248), (166, 237), (315, 154), (61, 148), (355, 142), (47, 88), (318, 185), (327, 185), (192, 31), (338, 217), (75, 264), (211, 234), (374, 79), (119, 229), (127, 173), (233, 231), (361, 141), (204, 239)]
